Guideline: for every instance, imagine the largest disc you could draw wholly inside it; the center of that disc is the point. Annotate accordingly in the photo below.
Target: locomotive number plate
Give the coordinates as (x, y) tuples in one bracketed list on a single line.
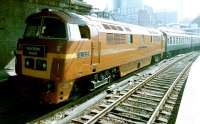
[(33, 50)]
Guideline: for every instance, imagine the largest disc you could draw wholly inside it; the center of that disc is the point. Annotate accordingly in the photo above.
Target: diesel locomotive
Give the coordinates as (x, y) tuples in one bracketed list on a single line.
[(65, 53)]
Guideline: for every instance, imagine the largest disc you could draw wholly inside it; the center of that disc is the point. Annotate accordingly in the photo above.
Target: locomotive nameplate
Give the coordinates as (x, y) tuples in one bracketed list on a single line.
[(34, 50)]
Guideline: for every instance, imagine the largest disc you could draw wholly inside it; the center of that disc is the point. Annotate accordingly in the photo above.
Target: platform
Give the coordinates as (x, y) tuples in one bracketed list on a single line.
[(189, 110), (8, 70), (3, 75)]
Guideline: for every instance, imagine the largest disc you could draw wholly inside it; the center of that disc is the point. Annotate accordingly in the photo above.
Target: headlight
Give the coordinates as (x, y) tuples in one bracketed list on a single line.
[(29, 63), (41, 64)]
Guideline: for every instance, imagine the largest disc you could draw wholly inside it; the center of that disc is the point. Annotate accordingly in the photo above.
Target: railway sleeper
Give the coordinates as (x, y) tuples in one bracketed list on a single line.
[(126, 119), (146, 98), (168, 107), (168, 78), (173, 96), (131, 115), (154, 94), (149, 109), (158, 86), (162, 115), (94, 111), (142, 102), (77, 121), (172, 71), (166, 112), (86, 117), (108, 120), (163, 86), (131, 110), (175, 93), (154, 88), (110, 101), (161, 83), (161, 120), (169, 71), (169, 101), (151, 96), (119, 95), (177, 89), (158, 80), (167, 74), (103, 106)]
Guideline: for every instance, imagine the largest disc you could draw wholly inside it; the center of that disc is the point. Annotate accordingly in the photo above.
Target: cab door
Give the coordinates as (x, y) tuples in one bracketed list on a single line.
[(95, 47)]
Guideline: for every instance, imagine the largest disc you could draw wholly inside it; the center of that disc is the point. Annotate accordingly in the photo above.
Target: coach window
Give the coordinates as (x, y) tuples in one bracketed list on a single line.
[(178, 42), (130, 39), (109, 38), (151, 40), (184, 40), (142, 40), (122, 39), (84, 31), (171, 40), (181, 40)]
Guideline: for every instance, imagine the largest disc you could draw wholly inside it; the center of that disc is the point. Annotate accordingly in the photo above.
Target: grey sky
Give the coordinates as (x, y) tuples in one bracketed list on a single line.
[(185, 8)]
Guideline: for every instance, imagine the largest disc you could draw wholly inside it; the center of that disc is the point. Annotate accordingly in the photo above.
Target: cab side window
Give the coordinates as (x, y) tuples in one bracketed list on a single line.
[(84, 31), (142, 40), (74, 33)]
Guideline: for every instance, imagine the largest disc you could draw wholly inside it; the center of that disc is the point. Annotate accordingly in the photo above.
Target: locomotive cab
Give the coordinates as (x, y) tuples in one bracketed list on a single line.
[(46, 51)]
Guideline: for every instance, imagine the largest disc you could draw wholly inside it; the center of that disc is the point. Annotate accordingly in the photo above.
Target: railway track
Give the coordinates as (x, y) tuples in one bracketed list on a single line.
[(148, 101), (132, 100)]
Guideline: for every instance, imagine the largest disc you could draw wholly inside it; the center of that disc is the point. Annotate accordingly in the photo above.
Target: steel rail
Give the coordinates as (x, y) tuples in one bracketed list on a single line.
[(70, 117), (157, 110), (128, 94)]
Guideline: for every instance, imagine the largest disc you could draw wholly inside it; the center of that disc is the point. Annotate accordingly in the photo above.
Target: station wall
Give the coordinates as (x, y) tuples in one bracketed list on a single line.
[(12, 23)]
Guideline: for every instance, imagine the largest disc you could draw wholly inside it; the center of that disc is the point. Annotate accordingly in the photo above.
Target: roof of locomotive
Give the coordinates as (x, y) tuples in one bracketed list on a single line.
[(61, 15), (133, 29), (74, 18)]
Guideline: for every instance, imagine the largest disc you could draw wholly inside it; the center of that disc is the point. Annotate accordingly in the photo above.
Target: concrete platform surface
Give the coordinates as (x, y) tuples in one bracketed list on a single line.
[(3, 75), (189, 110), (8, 70)]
